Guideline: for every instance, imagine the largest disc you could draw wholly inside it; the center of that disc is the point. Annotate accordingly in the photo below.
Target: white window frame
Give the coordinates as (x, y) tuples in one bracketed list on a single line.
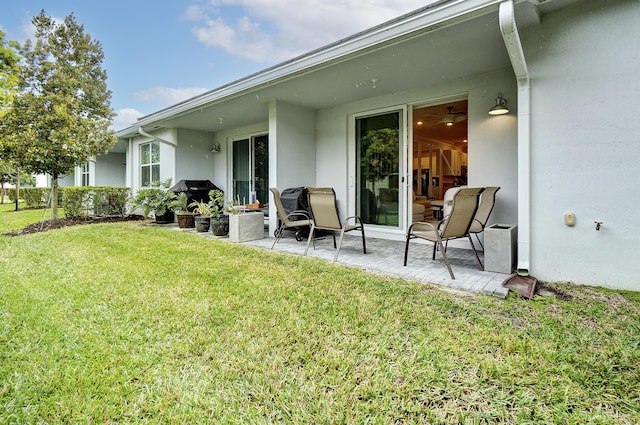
[(149, 165), (85, 176)]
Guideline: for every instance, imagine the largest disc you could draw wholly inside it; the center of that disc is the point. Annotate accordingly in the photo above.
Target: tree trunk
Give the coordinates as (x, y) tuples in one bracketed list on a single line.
[(54, 197), (17, 188)]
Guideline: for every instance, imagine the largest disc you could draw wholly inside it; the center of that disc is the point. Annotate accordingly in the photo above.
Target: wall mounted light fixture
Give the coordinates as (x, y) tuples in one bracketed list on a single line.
[(500, 107), (215, 148)]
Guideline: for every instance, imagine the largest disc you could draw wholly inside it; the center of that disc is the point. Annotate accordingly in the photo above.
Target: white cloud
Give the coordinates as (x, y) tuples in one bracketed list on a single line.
[(276, 30), (125, 117), (167, 96)]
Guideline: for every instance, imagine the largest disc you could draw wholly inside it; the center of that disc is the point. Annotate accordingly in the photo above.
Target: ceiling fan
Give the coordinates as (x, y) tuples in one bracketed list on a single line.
[(437, 117), (453, 117)]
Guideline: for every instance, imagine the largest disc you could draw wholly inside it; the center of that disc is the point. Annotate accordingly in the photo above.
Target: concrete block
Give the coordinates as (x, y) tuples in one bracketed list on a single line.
[(246, 226), (500, 248)]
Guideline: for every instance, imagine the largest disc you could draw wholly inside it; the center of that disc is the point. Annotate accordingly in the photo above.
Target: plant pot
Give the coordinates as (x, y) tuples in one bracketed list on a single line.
[(202, 223), (186, 221), (165, 218), (220, 225)]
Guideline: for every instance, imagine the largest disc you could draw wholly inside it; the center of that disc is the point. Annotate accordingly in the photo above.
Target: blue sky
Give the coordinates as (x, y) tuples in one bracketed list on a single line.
[(159, 52)]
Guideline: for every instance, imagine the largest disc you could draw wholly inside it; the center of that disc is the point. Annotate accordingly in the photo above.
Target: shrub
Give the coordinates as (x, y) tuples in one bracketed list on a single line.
[(94, 201), (32, 196)]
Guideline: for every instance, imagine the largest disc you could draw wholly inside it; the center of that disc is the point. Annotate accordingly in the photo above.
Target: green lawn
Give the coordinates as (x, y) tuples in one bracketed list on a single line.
[(11, 220), (127, 323)]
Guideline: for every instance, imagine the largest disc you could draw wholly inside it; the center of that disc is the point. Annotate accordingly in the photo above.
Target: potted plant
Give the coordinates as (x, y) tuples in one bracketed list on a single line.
[(219, 220), (185, 217), (156, 199), (202, 210)]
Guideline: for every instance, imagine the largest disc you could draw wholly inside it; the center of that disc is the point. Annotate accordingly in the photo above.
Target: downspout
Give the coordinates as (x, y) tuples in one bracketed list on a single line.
[(516, 54), (159, 139)]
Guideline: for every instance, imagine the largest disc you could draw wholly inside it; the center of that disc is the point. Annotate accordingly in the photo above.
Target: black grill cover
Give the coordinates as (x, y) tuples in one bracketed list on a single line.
[(196, 190), (295, 198)]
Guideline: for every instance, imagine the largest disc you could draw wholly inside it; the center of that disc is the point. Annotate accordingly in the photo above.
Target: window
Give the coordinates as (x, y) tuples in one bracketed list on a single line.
[(84, 173), (251, 169), (149, 163)]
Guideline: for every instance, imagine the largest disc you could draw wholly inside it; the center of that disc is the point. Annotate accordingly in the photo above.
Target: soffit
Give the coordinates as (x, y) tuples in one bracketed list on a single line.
[(447, 54), (424, 58)]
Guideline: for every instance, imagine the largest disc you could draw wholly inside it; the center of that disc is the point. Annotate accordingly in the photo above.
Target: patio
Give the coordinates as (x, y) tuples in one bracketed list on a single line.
[(386, 257)]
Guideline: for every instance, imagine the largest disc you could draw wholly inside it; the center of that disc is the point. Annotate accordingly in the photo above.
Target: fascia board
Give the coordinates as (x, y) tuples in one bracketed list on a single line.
[(435, 16)]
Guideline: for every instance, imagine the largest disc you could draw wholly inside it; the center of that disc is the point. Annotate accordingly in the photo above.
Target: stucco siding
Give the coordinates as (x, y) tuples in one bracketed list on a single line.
[(195, 159), (584, 64), (109, 170), (492, 141)]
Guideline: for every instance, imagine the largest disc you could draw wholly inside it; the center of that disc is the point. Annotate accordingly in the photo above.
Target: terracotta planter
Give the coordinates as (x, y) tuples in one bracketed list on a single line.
[(186, 221), (202, 223)]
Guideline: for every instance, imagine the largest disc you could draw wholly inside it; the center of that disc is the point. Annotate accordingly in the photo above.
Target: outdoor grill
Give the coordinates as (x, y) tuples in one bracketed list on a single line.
[(196, 190), (295, 199)]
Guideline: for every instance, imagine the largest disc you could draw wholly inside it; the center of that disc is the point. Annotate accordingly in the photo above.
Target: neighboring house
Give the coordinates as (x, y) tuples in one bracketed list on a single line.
[(568, 70), (104, 170)]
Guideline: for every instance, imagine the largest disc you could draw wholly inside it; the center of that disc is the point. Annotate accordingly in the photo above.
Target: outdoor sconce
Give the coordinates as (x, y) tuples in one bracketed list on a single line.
[(500, 107), (215, 148)]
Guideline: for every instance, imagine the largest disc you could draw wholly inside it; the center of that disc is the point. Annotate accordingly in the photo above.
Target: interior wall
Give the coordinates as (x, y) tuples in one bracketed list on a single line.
[(585, 95)]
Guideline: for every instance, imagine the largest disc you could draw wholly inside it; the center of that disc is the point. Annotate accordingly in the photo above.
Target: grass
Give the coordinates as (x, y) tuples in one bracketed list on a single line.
[(131, 323), (11, 220)]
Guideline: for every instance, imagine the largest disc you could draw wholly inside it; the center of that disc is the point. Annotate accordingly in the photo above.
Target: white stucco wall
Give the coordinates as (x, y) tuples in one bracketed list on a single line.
[(167, 156), (65, 181), (492, 142), (194, 158), (108, 170), (292, 149), (585, 97), (292, 158)]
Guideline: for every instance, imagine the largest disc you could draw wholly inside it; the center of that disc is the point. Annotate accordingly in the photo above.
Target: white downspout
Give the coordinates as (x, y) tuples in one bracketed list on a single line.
[(516, 54), (159, 139)]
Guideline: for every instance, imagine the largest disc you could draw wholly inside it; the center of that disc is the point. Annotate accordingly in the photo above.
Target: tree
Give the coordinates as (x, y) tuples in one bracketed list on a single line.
[(10, 174), (9, 73), (380, 153), (62, 112), (9, 60)]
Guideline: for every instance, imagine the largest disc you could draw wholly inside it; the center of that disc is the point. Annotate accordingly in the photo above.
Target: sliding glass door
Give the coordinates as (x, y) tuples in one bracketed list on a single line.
[(251, 169), (379, 182)]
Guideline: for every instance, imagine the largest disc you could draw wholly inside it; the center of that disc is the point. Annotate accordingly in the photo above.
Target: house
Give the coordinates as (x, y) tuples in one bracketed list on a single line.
[(103, 170), (567, 70)]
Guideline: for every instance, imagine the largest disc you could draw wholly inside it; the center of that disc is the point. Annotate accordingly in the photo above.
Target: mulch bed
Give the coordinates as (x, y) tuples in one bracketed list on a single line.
[(43, 226)]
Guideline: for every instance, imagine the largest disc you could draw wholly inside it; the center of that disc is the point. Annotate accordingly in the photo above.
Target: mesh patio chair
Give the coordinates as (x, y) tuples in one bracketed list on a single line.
[(324, 210), (455, 226), (293, 220), (487, 202)]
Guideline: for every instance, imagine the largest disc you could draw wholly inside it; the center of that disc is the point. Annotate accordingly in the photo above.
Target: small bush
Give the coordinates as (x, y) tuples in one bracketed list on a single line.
[(32, 196), (94, 201)]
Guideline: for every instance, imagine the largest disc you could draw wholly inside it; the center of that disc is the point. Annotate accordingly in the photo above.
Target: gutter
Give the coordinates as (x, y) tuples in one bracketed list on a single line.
[(437, 15), (516, 55)]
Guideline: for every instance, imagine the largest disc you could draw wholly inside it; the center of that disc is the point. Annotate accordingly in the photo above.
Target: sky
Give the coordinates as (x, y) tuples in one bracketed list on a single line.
[(160, 52)]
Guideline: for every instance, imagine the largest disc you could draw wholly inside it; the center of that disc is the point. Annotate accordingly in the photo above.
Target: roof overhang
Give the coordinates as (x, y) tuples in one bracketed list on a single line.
[(446, 40)]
